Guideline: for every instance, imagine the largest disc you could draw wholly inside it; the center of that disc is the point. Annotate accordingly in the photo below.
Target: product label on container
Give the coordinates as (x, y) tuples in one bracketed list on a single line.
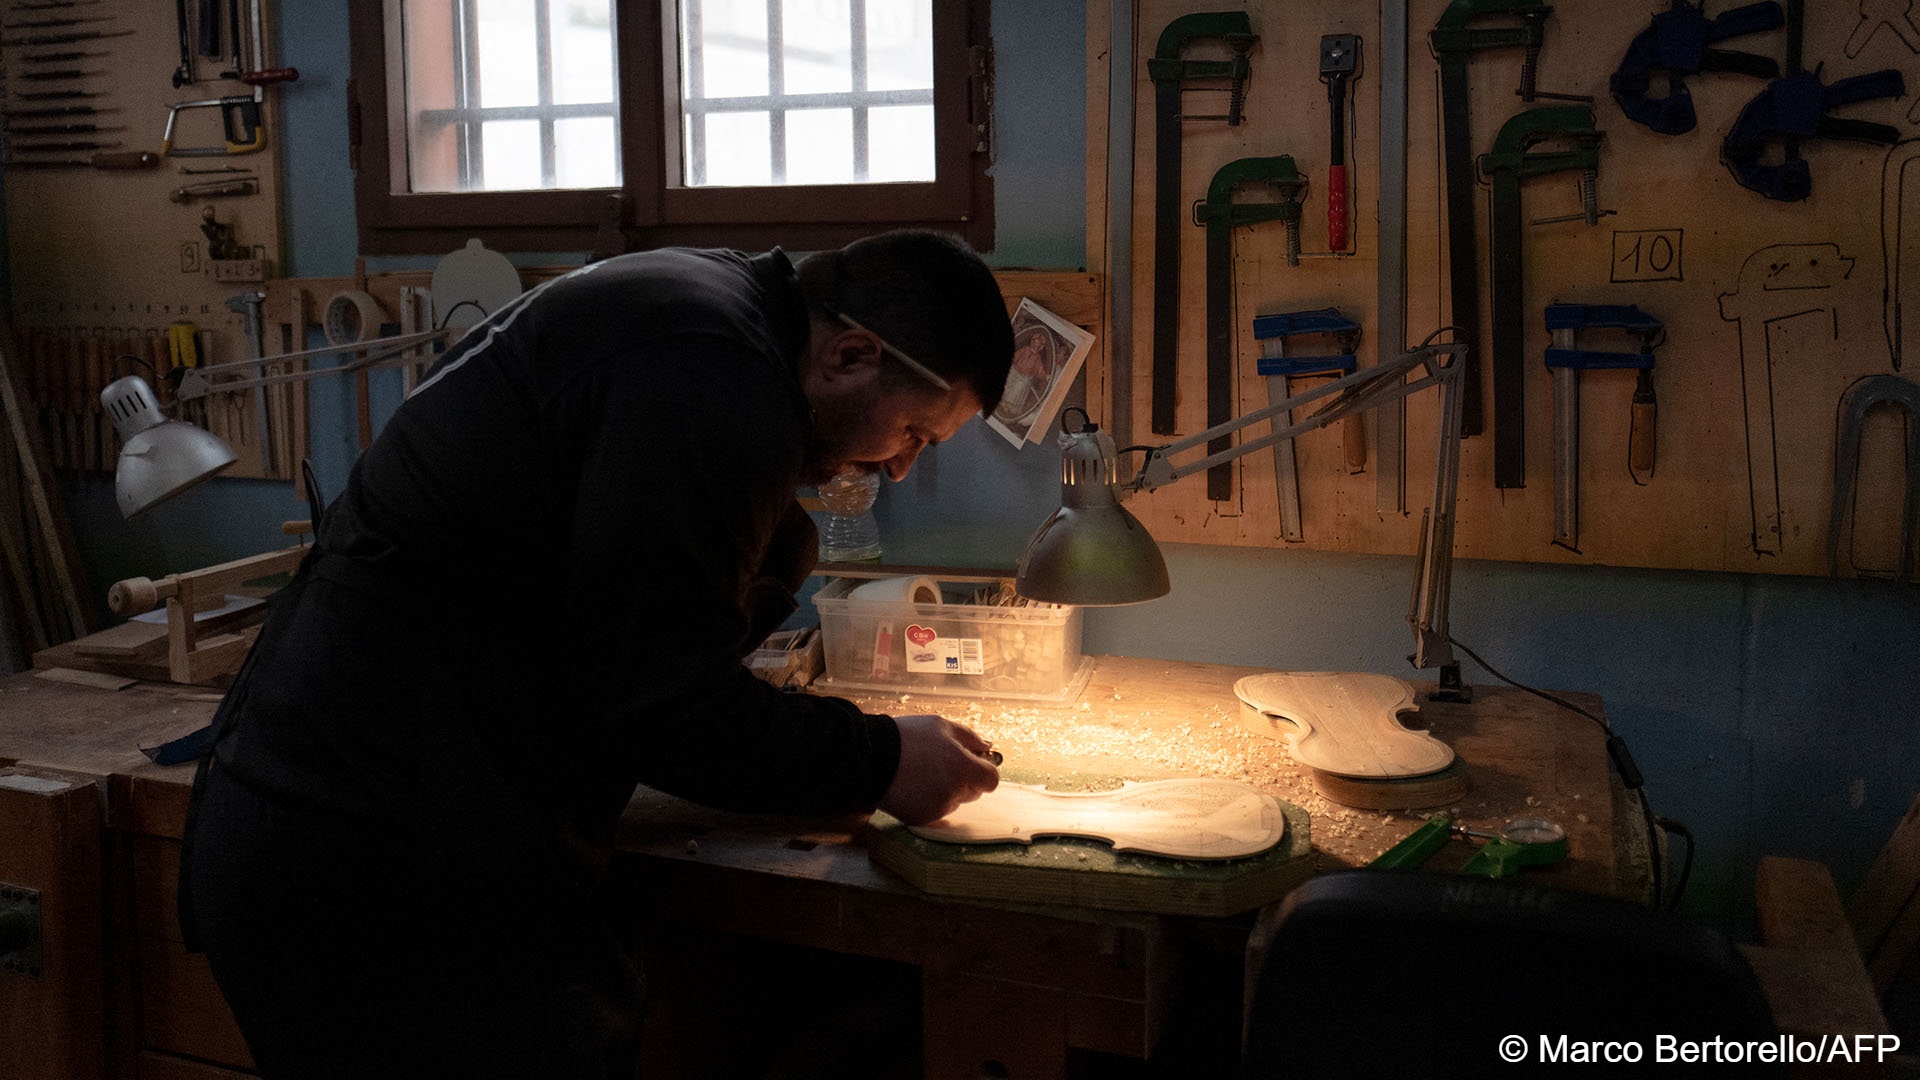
[(927, 651)]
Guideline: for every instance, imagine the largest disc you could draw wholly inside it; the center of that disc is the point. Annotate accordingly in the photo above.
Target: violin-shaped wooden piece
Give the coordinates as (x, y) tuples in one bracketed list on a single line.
[(1343, 723), (1184, 819)]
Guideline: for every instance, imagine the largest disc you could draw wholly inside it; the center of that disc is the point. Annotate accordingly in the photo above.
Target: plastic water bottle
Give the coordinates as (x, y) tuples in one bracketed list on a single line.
[(850, 534)]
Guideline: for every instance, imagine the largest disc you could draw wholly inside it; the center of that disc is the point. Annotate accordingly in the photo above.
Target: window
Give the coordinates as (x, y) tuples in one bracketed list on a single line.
[(611, 125)]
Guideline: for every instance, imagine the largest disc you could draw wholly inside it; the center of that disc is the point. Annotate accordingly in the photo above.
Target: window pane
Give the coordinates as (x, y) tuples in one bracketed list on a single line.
[(489, 100), (899, 45), (900, 144), (839, 68), (586, 153), (815, 54), (583, 56), (510, 154), (509, 67), (820, 146), (738, 149), (723, 48)]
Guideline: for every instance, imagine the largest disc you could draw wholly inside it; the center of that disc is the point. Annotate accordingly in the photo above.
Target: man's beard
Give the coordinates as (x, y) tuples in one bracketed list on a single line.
[(827, 451)]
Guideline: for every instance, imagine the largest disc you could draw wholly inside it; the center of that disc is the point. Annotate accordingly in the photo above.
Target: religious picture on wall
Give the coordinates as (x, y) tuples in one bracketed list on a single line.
[(1047, 354)]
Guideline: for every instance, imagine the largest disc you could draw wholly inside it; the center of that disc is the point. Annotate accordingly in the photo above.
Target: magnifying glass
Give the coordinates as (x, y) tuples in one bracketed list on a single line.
[(1520, 842)]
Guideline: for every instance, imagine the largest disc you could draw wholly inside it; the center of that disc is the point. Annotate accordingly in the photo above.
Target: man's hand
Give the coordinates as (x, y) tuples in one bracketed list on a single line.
[(942, 765)]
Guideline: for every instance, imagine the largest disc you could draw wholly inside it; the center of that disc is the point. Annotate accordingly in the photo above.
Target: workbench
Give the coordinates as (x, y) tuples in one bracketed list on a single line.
[(1027, 986)]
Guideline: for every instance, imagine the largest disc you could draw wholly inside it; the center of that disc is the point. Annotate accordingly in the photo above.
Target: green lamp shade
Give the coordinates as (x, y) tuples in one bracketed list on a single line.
[(1091, 552)]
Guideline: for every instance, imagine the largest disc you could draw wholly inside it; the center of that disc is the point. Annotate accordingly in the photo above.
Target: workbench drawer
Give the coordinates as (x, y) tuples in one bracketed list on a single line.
[(181, 1008)]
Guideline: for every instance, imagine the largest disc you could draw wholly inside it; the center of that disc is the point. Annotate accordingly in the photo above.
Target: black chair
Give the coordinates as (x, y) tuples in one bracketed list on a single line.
[(1406, 975)]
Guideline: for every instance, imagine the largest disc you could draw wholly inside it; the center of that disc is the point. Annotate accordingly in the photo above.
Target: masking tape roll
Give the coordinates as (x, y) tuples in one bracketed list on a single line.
[(352, 317), (894, 590)]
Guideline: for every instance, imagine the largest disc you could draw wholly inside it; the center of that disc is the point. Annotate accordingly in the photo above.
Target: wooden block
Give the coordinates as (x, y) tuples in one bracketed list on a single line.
[(52, 995)]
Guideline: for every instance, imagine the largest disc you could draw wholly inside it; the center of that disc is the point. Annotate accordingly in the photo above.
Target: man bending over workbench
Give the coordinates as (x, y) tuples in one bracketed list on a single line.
[(534, 594)]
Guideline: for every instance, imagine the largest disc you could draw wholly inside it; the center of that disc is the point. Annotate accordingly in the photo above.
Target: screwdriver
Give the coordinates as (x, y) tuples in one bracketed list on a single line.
[(119, 161)]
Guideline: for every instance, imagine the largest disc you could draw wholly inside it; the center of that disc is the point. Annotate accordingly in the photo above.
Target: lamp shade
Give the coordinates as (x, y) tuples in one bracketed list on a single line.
[(159, 458), (1092, 551)]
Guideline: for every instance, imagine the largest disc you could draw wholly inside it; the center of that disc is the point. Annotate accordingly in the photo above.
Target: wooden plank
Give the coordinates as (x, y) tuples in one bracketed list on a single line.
[(1809, 966), (97, 680), (1889, 890), (136, 641), (1896, 948)]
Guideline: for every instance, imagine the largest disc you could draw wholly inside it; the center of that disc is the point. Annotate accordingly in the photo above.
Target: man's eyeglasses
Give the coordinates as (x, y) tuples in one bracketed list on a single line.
[(886, 346)]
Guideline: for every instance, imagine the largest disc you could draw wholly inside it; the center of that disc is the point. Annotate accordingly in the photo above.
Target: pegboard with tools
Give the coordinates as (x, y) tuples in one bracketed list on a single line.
[(142, 201), (1675, 237)]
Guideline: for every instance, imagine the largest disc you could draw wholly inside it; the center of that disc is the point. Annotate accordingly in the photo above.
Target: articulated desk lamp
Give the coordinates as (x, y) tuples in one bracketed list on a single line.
[(1093, 552), (162, 457)]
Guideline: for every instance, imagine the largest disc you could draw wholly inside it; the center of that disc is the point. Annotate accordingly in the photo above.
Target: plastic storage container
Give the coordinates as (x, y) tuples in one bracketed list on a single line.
[(1027, 651)]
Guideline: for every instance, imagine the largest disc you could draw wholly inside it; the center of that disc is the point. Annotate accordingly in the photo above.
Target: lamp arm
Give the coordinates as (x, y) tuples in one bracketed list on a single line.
[(1351, 394), (1433, 575), (197, 382)]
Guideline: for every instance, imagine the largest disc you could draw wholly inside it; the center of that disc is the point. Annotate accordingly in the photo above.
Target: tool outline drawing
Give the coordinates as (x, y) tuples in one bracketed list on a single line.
[(1875, 14), (1893, 180), (1776, 285)]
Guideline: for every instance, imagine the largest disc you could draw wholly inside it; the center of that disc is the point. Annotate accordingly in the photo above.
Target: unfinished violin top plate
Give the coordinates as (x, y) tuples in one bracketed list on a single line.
[(1183, 819)]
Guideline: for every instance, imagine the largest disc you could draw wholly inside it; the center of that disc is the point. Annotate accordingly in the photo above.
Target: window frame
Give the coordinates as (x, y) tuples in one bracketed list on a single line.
[(646, 211)]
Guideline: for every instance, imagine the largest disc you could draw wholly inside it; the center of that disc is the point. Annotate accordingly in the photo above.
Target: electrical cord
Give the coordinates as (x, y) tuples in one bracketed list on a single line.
[(1630, 778)]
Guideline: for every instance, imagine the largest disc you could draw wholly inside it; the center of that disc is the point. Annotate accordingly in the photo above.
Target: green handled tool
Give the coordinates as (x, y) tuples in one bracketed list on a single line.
[(1520, 842)]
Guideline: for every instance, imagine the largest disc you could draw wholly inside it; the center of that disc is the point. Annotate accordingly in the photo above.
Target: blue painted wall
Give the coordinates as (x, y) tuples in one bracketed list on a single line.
[(1769, 714)]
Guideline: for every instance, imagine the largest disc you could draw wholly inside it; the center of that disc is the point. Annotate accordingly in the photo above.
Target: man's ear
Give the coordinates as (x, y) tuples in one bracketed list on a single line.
[(849, 353)]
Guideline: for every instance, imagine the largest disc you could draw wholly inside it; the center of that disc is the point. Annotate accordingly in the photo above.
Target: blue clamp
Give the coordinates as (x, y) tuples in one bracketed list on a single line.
[(1680, 43), (1299, 323), (1795, 107), (1603, 317)]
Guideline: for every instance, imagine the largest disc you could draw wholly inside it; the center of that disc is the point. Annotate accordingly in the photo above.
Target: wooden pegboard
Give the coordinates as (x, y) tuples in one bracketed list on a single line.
[(1772, 310), (102, 261)]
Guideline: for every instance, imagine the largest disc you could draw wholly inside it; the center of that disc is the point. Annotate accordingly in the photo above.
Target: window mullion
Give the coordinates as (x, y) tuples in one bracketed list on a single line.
[(776, 89), (543, 60), (696, 88), (857, 60), (471, 139)]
